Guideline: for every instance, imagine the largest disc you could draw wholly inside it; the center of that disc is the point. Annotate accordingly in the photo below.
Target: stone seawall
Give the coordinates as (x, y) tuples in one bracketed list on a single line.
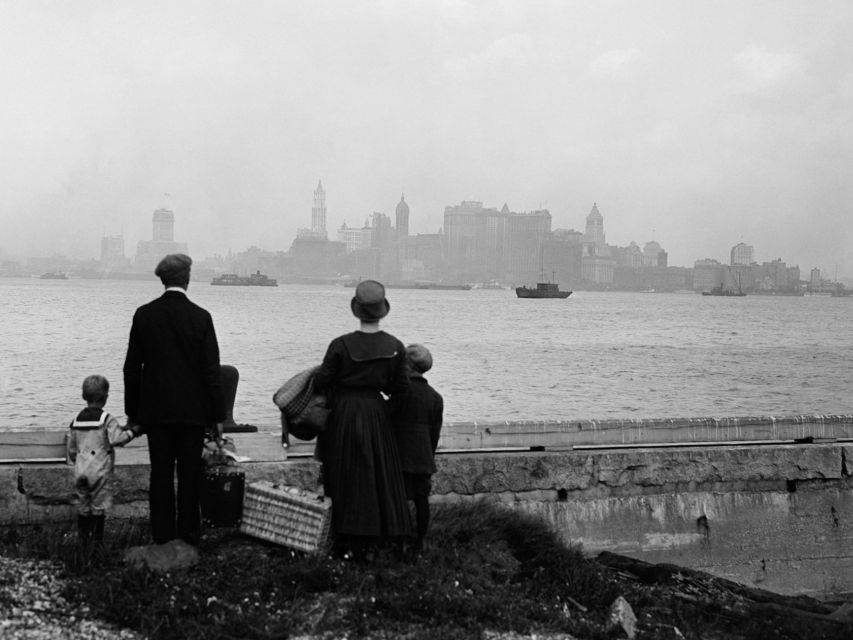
[(778, 516)]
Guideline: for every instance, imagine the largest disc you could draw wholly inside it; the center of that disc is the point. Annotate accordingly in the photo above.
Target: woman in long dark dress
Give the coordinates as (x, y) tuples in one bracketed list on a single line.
[(361, 465)]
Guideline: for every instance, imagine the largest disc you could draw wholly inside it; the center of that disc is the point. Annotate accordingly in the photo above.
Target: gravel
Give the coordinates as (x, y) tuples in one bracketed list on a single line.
[(32, 606)]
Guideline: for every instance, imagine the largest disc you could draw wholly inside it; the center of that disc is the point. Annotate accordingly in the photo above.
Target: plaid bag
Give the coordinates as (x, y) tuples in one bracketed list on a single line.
[(293, 396), (303, 411)]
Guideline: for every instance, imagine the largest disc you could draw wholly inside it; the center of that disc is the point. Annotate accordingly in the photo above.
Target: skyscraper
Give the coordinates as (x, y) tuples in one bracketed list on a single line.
[(741, 254), (163, 226), (402, 218), (318, 212), (595, 227), (150, 252)]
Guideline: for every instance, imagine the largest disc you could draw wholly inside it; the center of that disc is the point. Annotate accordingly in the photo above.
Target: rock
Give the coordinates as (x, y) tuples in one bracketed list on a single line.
[(175, 554), (622, 616)]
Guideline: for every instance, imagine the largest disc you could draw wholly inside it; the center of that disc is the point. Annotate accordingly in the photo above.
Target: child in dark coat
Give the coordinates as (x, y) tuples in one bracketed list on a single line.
[(417, 420)]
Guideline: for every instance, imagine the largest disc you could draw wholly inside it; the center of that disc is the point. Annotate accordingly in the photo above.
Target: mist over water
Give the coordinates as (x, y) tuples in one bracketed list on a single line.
[(593, 356)]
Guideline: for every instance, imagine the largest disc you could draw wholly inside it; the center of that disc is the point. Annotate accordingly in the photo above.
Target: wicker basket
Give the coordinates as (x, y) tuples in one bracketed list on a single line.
[(287, 516)]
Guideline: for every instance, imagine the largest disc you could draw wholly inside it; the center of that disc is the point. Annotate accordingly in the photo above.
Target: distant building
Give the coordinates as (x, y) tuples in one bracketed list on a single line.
[(562, 257), (112, 249), (318, 217), (318, 212), (654, 255), (630, 256), (486, 244), (355, 238), (402, 218), (741, 254), (525, 237), (382, 233), (597, 262), (162, 243), (707, 274)]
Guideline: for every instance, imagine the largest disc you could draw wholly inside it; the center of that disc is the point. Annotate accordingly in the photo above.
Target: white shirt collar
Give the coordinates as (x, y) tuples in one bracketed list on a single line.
[(180, 289)]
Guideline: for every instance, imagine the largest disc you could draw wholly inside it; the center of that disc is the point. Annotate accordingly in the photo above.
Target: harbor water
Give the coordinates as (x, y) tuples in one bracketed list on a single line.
[(594, 355)]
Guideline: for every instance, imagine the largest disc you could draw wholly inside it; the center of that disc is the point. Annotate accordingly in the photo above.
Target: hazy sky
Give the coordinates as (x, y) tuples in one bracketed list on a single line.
[(696, 124)]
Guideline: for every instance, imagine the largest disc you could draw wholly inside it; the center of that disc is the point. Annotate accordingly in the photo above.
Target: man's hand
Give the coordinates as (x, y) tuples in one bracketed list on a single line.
[(134, 427)]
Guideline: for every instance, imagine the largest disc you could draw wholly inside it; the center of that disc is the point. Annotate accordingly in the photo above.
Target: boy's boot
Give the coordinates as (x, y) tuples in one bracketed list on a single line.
[(84, 531)]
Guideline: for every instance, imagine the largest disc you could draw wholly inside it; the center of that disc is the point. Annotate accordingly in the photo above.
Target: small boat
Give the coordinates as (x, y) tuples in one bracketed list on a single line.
[(542, 290), (719, 291), (53, 275), (256, 279)]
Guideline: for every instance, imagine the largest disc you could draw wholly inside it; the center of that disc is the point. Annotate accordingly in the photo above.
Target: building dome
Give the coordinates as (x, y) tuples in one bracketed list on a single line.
[(402, 207)]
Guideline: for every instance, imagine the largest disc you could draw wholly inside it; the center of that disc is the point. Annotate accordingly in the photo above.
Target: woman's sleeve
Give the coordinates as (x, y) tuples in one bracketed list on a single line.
[(327, 372)]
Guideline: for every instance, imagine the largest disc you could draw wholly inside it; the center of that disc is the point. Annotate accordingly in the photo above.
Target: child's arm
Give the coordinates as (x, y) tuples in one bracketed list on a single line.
[(118, 435)]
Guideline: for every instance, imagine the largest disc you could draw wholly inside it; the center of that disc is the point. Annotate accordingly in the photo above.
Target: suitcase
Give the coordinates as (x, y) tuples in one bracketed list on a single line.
[(288, 516), (222, 496)]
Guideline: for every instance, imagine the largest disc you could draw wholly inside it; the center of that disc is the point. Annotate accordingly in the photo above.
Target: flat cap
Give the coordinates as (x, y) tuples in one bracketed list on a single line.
[(174, 269), (419, 357)]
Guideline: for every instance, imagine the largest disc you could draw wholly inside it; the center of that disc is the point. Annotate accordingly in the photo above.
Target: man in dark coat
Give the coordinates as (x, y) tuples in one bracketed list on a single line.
[(173, 393)]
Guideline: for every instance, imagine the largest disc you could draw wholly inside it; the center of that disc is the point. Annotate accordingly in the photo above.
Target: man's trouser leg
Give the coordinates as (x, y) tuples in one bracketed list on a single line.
[(162, 453), (190, 467)]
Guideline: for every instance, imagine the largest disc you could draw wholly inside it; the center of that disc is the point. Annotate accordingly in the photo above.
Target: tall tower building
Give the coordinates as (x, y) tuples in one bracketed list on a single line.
[(742, 254), (595, 227), (402, 218), (163, 226), (318, 213)]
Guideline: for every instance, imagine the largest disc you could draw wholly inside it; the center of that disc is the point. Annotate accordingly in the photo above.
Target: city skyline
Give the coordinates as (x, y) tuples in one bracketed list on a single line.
[(697, 125), (160, 234)]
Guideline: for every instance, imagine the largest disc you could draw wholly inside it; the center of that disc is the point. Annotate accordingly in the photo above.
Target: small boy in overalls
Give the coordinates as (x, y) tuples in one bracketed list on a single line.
[(93, 435)]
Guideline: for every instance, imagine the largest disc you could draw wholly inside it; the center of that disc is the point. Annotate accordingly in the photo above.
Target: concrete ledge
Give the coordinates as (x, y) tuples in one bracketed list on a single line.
[(38, 492), (635, 472), (775, 516), (556, 434)]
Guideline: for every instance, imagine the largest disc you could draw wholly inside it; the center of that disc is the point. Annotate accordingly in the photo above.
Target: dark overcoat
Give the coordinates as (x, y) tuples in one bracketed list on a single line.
[(171, 372), (417, 417)]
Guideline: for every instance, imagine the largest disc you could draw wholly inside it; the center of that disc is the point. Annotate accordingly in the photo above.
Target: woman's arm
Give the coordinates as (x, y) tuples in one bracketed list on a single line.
[(327, 373)]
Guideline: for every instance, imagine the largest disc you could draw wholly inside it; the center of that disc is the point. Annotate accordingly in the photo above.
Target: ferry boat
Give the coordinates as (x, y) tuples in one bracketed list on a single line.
[(53, 275), (542, 290), (719, 291), (256, 279)]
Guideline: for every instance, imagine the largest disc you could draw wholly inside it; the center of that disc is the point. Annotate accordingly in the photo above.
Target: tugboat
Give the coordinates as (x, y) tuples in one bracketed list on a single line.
[(542, 290), (256, 279)]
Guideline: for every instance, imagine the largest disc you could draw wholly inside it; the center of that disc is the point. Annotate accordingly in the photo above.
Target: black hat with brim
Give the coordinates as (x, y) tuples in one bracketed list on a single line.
[(369, 303)]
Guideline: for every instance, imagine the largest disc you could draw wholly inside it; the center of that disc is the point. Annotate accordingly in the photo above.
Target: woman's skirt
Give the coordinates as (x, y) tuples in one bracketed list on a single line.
[(361, 468)]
